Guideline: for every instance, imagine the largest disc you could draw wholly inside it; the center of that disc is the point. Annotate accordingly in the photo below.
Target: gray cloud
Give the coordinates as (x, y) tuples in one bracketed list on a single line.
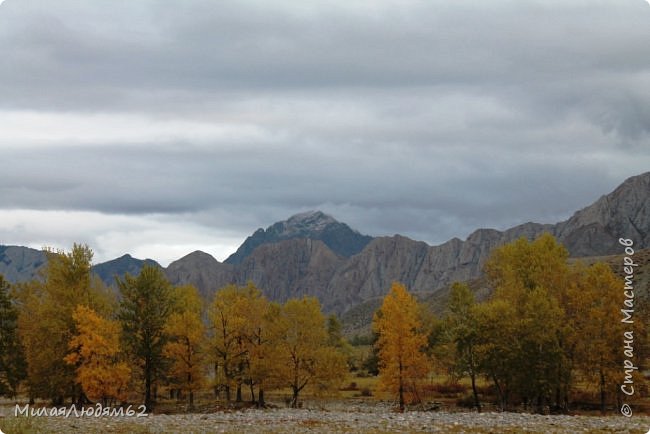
[(429, 119)]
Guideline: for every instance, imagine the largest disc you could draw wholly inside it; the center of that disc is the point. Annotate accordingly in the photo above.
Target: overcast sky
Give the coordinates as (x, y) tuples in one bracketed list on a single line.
[(161, 127)]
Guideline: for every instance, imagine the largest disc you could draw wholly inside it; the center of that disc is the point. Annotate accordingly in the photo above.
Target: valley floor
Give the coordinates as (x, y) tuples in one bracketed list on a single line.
[(352, 418)]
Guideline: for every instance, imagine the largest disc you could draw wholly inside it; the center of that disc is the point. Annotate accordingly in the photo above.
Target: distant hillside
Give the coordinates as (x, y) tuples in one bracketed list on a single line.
[(21, 264), (117, 268)]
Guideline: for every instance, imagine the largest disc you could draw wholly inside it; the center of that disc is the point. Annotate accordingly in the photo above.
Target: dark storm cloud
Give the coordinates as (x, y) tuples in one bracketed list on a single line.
[(428, 119)]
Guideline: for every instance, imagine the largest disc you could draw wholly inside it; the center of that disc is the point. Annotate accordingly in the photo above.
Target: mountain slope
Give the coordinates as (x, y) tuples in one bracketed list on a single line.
[(201, 270), (314, 225)]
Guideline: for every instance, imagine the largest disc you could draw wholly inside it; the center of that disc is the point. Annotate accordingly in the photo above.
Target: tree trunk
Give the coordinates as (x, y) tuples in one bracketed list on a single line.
[(216, 386), (602, 392), (238, 398), (401, 388), (147, 384), (260, 398), (500, 396), (189, 383), (294, 400), (477, 403)]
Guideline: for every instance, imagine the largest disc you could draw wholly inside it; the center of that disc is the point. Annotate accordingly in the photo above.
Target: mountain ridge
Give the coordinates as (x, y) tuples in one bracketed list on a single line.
[(287, 263)]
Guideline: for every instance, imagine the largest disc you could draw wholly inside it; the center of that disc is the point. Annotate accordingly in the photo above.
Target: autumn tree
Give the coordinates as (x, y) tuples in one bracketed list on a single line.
[(95, 353), (532, 279), (599, 355), (186, 346), (303, 357), (257, 330), (227, 318), (46, 324), (402, 361), (147, 302), (462, 328), (12, 361)]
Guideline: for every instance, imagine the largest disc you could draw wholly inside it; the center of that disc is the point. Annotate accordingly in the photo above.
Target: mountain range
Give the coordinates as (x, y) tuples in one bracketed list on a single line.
[(313, 254)]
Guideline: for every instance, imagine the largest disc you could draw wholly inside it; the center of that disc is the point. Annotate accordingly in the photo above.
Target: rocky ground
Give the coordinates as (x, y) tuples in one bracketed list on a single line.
[(351, 418)]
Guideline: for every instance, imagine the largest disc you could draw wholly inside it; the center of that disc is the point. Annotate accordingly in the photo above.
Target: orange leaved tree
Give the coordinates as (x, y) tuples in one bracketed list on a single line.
[(402, 361), (95, 353)]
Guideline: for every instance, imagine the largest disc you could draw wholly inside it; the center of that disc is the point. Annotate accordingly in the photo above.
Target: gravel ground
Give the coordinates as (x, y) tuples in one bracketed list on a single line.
[(353, 419)]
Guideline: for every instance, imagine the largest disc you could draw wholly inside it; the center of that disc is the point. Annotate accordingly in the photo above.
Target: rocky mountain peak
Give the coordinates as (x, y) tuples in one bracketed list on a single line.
[(313, 225), (304, 225), (314, 221), (623, 213)]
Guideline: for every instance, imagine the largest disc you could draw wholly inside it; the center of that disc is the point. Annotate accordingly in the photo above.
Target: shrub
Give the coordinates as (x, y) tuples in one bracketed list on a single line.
[(366, 392)]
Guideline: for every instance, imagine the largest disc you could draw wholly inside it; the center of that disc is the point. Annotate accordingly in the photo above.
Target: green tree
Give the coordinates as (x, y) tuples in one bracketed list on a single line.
[(146, 304), (12, 359), (336, 339), (462, 327), (497, 347), (532, 282)]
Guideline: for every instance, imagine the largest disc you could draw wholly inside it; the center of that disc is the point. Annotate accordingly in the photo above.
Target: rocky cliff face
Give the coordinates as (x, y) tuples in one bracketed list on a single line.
[(592, 231), (291, 268), (624, 213), (20, 264)]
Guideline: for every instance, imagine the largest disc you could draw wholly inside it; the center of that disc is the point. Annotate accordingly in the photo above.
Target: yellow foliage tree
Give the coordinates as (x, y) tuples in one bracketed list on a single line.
[(242, 322), (186, 346), (599, 356), (303, 356), (402, 361), (95, 353), (45, 322), (228, 318), (259, 315)]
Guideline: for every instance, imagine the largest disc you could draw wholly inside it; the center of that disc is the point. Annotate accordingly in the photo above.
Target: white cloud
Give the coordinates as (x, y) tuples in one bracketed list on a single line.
[(148, 236)]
